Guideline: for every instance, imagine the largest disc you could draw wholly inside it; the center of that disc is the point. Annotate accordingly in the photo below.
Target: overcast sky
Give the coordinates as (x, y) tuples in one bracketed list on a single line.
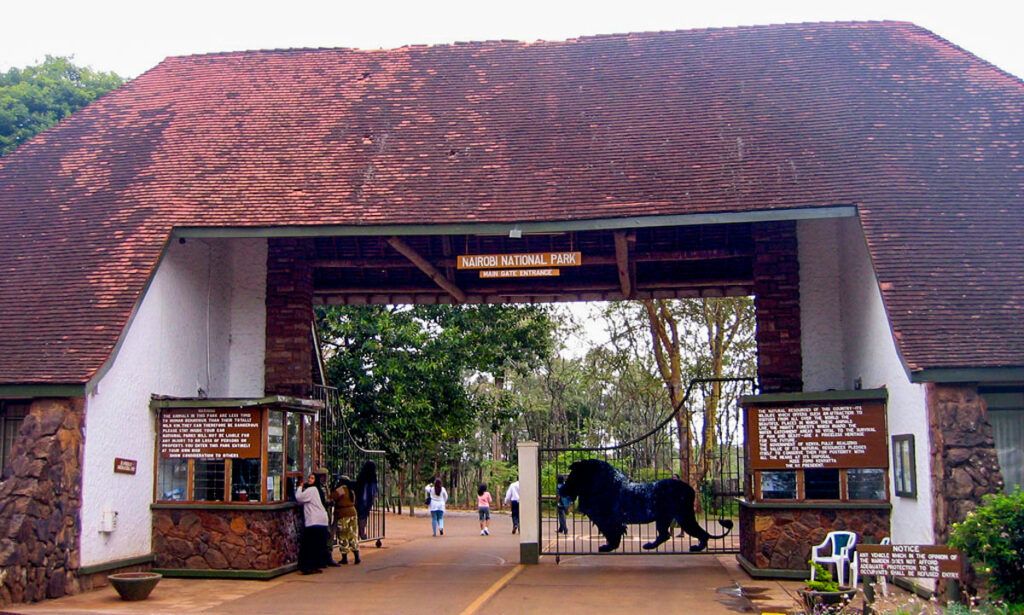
[(131, 36)]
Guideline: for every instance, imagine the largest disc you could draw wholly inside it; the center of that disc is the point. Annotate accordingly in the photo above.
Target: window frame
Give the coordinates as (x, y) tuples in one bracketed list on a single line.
[(904, 478), (801, 486), (229, 495), (12, 417)]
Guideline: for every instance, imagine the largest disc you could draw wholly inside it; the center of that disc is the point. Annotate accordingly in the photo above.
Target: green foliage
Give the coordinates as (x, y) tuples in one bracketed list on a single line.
[(994, 607), (499, 474), (406, 371), (823, 581), (35, 98), (992, 536)]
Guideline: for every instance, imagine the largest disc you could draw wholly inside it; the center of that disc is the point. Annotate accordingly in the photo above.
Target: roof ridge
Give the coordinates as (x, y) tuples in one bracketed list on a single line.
[(575, 39)]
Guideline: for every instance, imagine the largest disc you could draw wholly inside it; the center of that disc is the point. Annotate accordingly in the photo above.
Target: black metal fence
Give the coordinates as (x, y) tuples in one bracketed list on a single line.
[(717, 463), (342, 455)]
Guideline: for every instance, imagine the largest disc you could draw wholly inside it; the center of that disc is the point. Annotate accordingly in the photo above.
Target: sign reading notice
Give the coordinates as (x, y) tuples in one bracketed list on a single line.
[(205, 433), (915, 561), (827, 435), (518, 261)]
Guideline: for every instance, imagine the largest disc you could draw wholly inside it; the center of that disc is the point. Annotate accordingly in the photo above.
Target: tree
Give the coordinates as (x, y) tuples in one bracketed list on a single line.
[(35, 98), (410, 374), (689, 339)]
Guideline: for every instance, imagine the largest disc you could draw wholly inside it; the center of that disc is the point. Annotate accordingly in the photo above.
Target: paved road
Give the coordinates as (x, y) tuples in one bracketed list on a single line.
[(461, 573)]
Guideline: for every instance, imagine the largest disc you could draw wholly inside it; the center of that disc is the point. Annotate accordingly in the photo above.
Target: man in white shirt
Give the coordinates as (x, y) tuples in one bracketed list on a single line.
[(512, 499)]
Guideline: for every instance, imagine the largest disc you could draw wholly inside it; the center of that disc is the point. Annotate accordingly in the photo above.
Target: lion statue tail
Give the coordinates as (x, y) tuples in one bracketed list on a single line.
[(727, 524)]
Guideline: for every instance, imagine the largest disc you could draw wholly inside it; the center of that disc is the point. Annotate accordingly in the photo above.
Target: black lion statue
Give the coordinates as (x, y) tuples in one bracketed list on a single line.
[(611, 501)]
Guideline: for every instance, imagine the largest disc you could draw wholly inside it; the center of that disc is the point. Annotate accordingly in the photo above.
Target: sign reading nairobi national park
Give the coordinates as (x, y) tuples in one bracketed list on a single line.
[(519, 261), (848, 434)]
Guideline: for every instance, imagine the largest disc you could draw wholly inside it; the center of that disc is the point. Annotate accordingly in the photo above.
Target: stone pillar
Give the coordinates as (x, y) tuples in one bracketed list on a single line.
[(777, 304), (963, 455), (40, 504), (529, 506), (289, 360)]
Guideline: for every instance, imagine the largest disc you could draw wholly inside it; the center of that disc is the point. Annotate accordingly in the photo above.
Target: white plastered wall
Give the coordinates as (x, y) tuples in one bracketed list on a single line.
[(200, 326), (846, 339)]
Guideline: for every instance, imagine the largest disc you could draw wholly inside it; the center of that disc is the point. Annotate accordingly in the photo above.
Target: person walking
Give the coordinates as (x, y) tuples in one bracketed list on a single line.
[(562, 504), (345, 519), (438, 498), (313, 554), (512, 499), (483, 508)]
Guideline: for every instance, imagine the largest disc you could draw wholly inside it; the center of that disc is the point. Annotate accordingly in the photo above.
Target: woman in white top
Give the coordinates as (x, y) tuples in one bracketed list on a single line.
[(438, 497), (313, 553)]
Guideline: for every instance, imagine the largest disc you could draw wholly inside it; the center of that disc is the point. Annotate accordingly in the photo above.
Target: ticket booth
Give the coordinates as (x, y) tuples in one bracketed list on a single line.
[(226, 471), (816, 462)]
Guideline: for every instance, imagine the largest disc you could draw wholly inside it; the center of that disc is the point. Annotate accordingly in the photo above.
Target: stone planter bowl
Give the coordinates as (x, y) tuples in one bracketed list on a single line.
[(827, 601), (134, 585)]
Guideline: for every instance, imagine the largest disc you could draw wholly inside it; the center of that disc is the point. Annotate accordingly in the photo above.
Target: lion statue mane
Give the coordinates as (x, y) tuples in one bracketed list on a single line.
[(611, 501)]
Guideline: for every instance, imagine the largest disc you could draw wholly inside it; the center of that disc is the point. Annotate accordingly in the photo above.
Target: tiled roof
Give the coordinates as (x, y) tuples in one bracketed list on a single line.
[(923, 137)]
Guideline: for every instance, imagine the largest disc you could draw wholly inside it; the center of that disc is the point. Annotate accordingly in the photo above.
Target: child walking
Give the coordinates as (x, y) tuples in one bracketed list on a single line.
[(483, 508)]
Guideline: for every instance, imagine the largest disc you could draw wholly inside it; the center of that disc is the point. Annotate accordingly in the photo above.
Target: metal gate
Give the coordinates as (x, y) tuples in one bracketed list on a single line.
[(342, 455), (565, 531)]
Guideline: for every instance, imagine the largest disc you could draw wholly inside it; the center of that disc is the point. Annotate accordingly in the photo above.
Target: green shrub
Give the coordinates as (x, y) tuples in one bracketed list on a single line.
[(823, 581), (992, 537)]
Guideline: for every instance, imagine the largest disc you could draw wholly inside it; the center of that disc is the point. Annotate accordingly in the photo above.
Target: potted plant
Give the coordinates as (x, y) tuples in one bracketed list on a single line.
[(824, 594)]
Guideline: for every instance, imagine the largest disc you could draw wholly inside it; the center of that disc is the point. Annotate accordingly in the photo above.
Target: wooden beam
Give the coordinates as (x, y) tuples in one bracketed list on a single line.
[(435, 296), (622, 263), (546, 288), (427, 268)]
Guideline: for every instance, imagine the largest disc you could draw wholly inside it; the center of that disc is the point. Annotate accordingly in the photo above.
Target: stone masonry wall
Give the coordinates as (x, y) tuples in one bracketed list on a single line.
[(963, 455), (289, 316), (777, 303), (40, 501), (227, 539), (782, 539)]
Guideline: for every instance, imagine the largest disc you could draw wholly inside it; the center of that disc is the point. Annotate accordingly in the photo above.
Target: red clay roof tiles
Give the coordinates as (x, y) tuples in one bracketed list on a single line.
[(923, 137)]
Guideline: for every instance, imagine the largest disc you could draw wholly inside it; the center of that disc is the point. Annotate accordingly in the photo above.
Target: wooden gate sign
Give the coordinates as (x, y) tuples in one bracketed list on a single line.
[(208, 433), (848, 434), (519, 261), (913, 561)]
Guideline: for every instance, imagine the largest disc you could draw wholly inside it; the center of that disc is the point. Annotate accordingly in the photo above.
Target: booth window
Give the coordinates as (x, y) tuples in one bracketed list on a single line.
[(778, 485), (904, 466), (865, 483), (208, 481), (823, 484), (275, 456), (172, 484), (231, 453), (11, 416)]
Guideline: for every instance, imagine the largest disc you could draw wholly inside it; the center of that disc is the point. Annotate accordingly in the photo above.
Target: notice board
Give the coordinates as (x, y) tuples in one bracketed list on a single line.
[(914, 561), (210, 433), (817, 434)]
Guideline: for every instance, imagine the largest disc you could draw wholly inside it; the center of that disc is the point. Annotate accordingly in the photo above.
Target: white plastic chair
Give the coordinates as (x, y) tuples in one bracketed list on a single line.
[(837, 550)]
